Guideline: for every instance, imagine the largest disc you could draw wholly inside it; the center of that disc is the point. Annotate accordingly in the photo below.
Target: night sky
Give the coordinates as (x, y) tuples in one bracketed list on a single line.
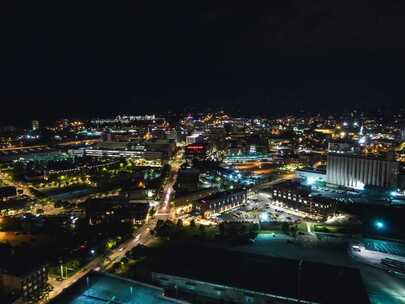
[(265, 57)]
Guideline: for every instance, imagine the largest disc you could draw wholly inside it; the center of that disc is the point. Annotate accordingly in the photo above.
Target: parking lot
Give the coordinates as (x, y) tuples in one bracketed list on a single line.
[(382, 286), (258, 208)]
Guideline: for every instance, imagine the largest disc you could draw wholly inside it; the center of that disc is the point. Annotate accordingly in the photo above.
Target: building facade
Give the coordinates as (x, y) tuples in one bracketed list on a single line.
[(187, 180), (291, 197), (35, 125), (355, 171), (28, 285), (221, 202), (110, 211)]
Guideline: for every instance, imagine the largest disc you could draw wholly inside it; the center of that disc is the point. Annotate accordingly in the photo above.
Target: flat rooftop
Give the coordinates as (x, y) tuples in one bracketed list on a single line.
[(276, 276), (98, 288)]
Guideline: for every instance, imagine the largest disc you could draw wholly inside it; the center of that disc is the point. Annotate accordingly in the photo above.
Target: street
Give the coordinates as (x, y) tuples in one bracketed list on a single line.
[(141, 236)]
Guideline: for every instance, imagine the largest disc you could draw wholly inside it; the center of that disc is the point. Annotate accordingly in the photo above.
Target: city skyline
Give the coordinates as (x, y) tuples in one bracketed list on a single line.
[(221, 152)]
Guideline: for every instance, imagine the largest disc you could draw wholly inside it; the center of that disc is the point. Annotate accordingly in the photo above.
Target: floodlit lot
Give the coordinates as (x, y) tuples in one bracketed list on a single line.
[(258, 207)]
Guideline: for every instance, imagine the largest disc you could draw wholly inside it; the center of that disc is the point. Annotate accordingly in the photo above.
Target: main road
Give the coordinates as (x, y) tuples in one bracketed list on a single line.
[(164, 210), (141, 236)]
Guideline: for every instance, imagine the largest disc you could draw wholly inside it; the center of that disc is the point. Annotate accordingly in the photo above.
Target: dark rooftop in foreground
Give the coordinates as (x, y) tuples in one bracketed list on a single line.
[(20, 265), (319, 282)]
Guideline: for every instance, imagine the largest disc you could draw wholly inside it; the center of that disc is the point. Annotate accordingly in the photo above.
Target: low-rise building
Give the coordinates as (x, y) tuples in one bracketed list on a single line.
[(8, 192), (293, 196), (24, 283), (112, 210), (221, 202), (153, 150), (187, 180)]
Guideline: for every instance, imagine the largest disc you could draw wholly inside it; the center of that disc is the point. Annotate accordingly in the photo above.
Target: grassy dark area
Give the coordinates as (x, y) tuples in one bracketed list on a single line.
[(392, 217), (345, 229)]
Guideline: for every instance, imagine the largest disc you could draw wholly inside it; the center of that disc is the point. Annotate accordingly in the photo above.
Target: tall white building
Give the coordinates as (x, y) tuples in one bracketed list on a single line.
[(355, 171)]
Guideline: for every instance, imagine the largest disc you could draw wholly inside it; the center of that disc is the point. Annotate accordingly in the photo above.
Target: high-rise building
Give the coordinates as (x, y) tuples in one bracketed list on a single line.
[(35, 125), (357, 171), (403, 133), (65, 123)]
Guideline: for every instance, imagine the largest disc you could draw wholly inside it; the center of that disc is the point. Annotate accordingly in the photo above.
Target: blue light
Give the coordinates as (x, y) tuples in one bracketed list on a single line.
[(380, 224)]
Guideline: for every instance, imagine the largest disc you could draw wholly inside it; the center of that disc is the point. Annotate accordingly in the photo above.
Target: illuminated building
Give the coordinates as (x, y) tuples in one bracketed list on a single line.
[(221, 201), (24, 282), (403, 134), (241, 158), (356, 171), (125, 119), (195, 151), (292, 196), (35, 125), (113, 210), (192, 139), (342, 147), (152, 150)]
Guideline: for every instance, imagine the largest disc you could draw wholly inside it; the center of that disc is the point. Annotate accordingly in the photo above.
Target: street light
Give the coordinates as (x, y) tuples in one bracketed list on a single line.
[(93, 252), (379, 225), (393, 193)]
